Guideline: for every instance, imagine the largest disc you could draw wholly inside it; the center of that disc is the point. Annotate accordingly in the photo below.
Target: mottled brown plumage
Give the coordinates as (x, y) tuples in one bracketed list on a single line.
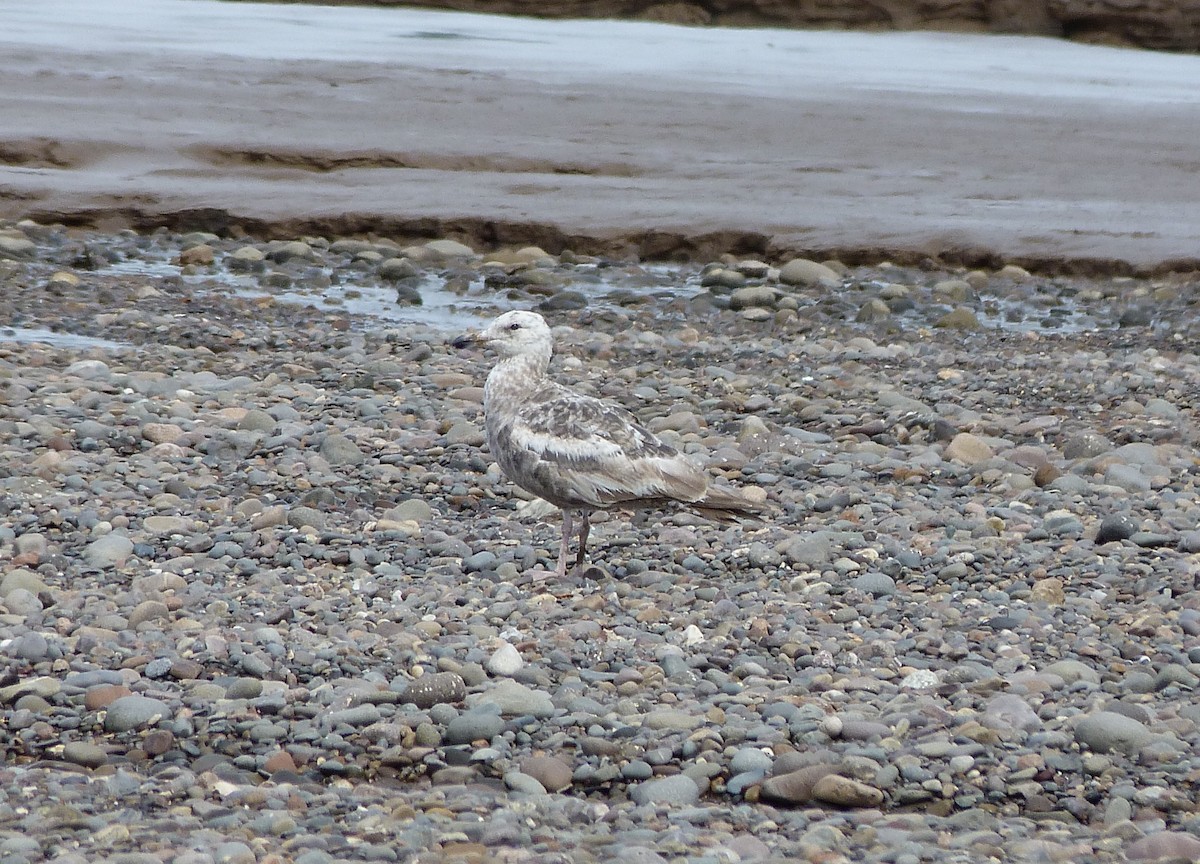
[(577, 452)]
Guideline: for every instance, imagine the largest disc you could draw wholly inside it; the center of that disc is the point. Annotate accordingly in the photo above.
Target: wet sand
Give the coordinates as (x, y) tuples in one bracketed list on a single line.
[(598, 136)]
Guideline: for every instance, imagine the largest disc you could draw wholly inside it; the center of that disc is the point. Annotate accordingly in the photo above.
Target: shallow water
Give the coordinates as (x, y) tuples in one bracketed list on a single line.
[(57, 339)]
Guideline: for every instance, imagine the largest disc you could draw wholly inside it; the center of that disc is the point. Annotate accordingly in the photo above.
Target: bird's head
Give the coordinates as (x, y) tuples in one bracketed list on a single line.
[(512, 334)]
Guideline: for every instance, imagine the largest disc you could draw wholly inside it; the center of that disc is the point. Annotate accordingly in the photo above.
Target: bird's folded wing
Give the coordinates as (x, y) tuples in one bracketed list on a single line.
[(600, 453)]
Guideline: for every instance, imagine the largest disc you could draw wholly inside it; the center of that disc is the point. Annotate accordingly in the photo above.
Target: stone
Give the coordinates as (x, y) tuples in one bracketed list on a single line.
[(1127, 477), (845, 792), (968, 449), (201, 255), (515, 699), (1049, 591), (473, 726), (1108, 731), (505, 661), (148, 610), (1115, 527), (677, 791), (806, 273), (395, 269), (961, 318), (752, 296), (133, 712), (796, 787), (111, 550), (338, 450), (449, 249), (84, 753), (1086, 445), (553, 773), (1009, 711), (24, 580), (17, 248), (1165, 845)]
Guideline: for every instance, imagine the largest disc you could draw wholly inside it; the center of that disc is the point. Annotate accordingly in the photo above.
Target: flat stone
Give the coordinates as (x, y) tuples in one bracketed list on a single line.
[(133, 712), (1108, 731), (677, 791), (845, 792), (111, 550), (148, 610), (84, 753), (968, 449), (796, 787), (553, 773), (806, 273)]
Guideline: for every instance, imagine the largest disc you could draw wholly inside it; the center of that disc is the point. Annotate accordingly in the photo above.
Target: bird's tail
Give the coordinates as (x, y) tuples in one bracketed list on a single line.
[(724, 504)]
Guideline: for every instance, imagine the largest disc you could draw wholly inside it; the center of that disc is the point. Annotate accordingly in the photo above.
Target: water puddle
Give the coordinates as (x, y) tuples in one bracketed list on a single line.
[(26, 335), (361, 294)]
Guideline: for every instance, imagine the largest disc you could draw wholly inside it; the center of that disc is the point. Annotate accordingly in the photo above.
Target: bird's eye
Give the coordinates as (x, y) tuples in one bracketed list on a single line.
[(514, 326)]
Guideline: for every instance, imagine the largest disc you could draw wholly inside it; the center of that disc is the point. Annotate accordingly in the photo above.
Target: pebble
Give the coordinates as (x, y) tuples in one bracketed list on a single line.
[(677, 791), (1108, 731), (132, 712)]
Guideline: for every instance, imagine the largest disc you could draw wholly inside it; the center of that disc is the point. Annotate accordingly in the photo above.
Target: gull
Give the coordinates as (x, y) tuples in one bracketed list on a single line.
[(580, 453)]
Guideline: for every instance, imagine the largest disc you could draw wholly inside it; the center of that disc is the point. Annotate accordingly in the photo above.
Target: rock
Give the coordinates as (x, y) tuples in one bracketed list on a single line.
[(17, 248), (111, 550), (1127, 477), (84, 753), (968, 449), (1115, 527), (677, 791), (412, 510), (473, 726), (338, 450), (564, 301), (1013, 272), (669, 719), (24, 580), (166, 525), (875, 583), (845, 792), (920, 679), (515, 699), (1086, 445), (449, 249), (201, 255), (796, 787), (1009, 711), (751, 296), (1165, 845), (133, 712), (247, 259), (1107, 731), (505, 661), (806, 273), (873, 310), (306, 517), (395, 269), (287, 250), (961, 318), (148, 610), (955, 290), (553, 773)]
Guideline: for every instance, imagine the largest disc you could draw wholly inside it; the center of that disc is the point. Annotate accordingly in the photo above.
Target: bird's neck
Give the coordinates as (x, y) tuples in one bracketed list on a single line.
[(512, 380)]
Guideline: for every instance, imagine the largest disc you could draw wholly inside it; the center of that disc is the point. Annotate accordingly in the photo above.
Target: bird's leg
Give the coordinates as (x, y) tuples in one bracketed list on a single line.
[(562, 548), (583, 535)]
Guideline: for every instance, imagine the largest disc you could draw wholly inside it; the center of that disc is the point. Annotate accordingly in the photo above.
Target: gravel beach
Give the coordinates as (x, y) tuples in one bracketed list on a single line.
[(266, 598)]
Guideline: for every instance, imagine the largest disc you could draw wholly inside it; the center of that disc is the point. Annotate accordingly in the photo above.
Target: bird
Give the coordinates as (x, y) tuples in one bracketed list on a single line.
[(580, 453)]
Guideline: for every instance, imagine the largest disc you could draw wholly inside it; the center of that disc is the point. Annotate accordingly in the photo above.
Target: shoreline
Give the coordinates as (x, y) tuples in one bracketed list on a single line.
[(503, 132)]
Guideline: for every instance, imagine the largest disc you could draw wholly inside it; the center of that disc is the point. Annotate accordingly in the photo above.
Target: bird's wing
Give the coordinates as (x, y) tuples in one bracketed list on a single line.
[(598, 454)]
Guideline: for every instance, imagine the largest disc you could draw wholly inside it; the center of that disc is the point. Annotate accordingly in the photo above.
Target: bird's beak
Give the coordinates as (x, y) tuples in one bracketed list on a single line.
[(473, 337)]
